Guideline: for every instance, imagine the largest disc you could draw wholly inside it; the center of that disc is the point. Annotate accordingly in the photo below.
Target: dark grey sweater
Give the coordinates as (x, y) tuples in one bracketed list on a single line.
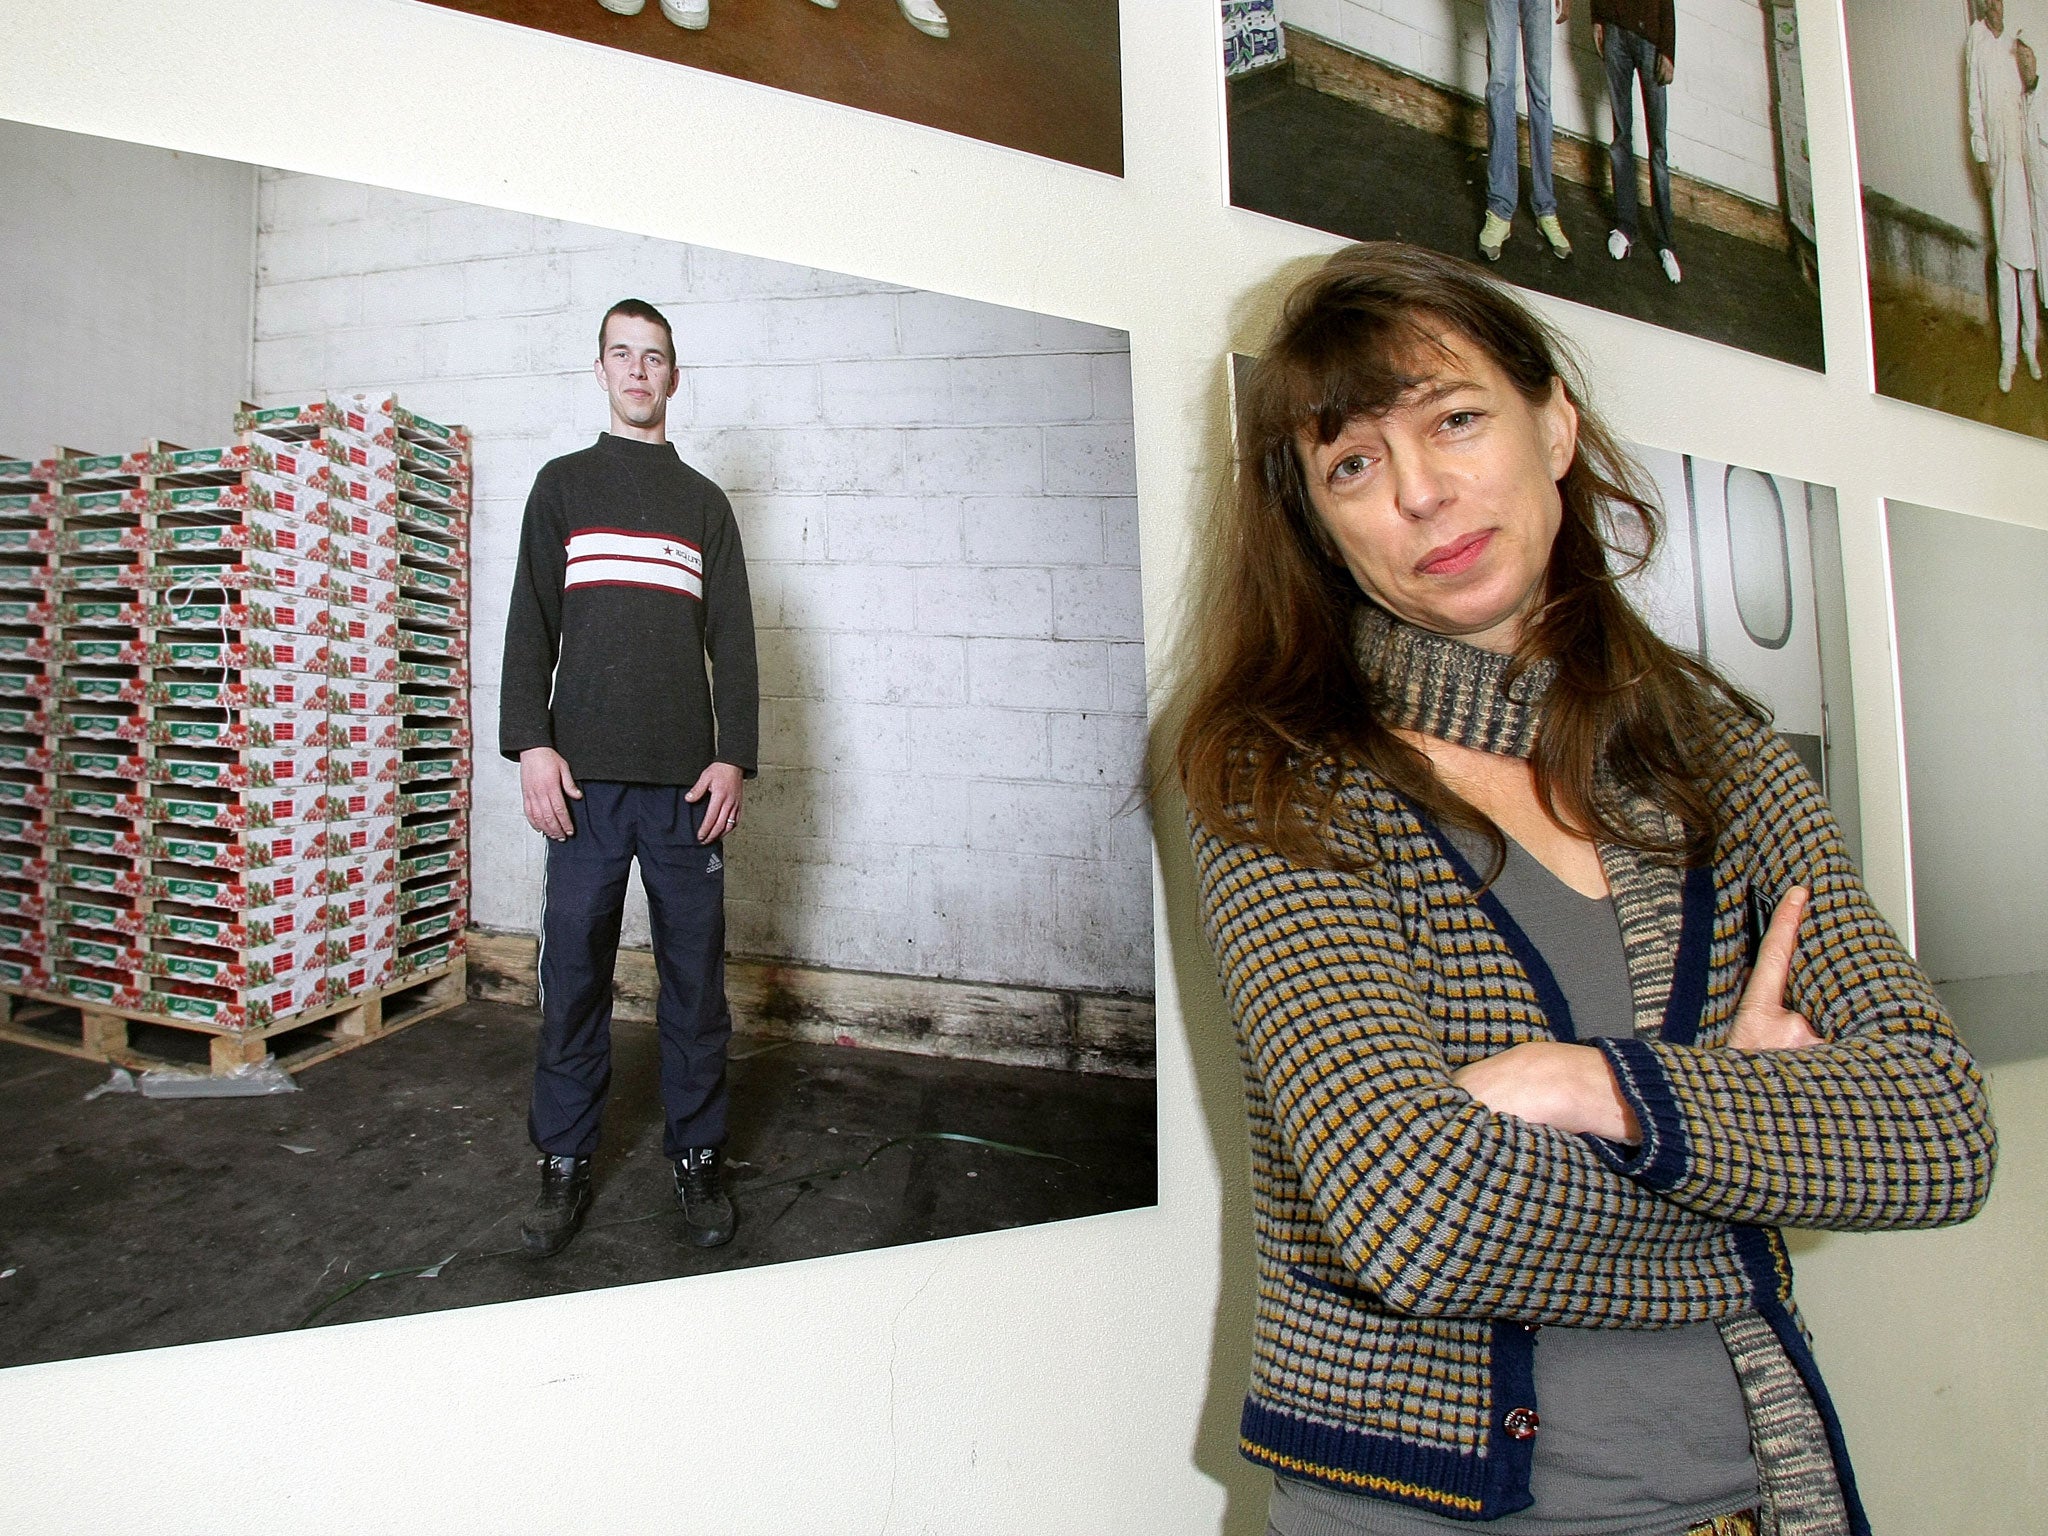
[(630, 579)]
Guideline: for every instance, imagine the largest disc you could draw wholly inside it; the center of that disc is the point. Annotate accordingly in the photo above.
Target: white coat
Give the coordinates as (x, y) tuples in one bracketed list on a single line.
[(1998, 141)]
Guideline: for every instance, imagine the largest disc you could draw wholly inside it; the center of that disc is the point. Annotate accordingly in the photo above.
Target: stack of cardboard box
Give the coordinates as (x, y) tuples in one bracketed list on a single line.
[(434, 477), (26, 636), (224, 761)]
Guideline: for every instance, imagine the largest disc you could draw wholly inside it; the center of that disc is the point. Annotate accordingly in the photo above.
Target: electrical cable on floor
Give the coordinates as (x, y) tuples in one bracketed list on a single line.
[(806, 1182)]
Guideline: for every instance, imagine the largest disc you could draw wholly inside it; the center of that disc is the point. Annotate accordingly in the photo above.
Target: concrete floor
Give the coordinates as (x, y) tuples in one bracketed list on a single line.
[(1043, 76), (1315, 159), (131, 1223), (1949, 362)]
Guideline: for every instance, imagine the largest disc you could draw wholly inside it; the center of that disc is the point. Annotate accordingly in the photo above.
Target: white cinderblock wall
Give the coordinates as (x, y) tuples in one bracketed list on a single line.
[(937, 499), (1720, 97)]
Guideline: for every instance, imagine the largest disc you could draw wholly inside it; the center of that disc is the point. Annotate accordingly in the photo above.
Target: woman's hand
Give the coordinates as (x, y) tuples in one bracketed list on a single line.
[(1548, 1082), (1762, 1021)]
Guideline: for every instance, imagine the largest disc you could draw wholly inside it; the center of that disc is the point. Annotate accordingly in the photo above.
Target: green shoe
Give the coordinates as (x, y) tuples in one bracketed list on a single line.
[(1554, 233), (1493, 234)]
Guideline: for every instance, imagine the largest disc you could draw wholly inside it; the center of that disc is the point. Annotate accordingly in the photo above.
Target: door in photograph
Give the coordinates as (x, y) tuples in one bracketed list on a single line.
[(1371, 119), (1950, 143), (1734, 583), (1043, 76)]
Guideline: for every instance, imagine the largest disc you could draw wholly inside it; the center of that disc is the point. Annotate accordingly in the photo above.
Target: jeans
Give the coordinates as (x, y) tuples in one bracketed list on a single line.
[(1629, 57), (1536, 22), (586, 898)]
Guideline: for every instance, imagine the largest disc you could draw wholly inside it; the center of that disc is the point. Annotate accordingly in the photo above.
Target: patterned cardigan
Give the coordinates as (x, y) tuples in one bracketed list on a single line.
[(1410, 1242)]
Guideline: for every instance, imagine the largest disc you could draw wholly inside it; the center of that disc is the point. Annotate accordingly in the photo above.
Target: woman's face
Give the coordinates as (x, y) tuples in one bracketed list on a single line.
[(1445, 507)]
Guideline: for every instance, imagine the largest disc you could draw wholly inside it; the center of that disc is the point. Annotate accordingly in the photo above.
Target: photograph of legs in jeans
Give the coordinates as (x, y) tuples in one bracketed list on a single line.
[(1631, 57), (1432, 121), (1529, 24)]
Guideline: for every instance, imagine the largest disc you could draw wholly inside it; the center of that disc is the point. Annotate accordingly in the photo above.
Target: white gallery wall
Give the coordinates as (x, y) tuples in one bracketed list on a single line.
[(1721, 128), (938, 505), (1079, 1378), (138, 324)]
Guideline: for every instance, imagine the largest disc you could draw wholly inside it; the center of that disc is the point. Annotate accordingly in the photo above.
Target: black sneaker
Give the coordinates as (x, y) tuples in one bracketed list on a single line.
[(559, 1209), (708, 1218)]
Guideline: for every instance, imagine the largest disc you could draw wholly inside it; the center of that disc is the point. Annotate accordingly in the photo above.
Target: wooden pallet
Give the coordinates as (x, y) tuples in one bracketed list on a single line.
[(55, 1023)]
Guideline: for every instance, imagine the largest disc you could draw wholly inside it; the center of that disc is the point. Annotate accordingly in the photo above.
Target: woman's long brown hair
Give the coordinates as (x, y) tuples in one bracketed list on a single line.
[(1273, 709)]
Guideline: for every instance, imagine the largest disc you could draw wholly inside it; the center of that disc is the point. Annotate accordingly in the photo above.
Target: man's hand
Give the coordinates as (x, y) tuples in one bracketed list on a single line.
[(1665, 69), (2030, 67), (1548, 1082), (544, 778), (1600, 38), (1762, 1021), (720, 787), (1564, 11)]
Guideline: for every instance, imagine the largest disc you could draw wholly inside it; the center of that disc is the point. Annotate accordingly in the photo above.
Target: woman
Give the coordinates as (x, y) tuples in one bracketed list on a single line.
[(1482, 860)]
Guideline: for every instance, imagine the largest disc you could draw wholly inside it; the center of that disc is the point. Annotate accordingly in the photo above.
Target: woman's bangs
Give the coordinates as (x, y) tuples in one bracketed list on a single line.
[(1333, 369)]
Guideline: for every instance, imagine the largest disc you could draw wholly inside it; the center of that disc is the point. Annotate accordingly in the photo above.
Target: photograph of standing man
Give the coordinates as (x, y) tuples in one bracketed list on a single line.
[(1638, 40), (630, 700), (1530, 23), (1997, 107)]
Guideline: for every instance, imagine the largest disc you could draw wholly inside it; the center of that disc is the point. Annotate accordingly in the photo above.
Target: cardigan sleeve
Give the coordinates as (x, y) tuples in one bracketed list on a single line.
[(1884, 1125), (1431, 1202)]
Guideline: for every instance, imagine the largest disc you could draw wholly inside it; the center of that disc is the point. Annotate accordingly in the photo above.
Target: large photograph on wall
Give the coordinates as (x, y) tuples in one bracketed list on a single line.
[(938, 941), (1973, 693), (1952, 144), (1043, 76), (1647, 157)]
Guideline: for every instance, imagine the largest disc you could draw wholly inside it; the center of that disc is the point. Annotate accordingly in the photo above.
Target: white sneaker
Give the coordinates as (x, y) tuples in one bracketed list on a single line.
[(926, 16), (624, 7), (1668, 258), (1617, 245), (830, 5), (2033, 366), (692, 15), (2005, 373)]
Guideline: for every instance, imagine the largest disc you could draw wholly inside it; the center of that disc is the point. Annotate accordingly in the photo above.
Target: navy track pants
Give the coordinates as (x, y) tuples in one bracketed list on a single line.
[(586, 898)]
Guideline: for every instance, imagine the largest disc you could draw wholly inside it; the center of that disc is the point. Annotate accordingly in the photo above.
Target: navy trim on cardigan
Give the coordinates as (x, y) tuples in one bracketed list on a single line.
[(1688, 998), (1763, 1255), (1514, 1386), (1549, 995), (1458, 1486), (1660, 1160), (1662, 1157)]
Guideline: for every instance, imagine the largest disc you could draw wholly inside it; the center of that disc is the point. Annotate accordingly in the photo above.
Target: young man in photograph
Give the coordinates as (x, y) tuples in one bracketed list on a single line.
[(1527, 24), (630, 702), (1638, 40)]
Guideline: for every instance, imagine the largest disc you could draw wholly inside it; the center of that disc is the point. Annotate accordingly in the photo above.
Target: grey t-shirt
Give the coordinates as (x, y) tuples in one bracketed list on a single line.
[(1643, 1430)]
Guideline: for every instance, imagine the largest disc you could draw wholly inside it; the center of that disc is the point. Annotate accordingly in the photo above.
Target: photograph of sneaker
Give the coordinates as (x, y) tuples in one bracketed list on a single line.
[(1493, 234), (690, 15), (925, 16), (1667, 258), (624, 7), (1553, 231), (1618, 245)]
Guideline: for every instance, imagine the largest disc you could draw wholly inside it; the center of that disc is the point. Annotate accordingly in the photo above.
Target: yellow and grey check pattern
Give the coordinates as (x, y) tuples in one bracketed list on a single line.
[(1398, 1221)]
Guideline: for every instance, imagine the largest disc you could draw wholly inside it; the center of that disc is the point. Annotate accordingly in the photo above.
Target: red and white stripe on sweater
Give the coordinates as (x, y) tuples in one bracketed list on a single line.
[(614, 557)]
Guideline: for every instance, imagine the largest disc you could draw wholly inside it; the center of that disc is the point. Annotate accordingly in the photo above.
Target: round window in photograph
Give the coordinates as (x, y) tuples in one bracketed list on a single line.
[(1759, 558)]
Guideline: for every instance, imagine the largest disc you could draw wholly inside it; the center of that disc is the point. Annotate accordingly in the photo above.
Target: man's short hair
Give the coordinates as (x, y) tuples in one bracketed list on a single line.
[(638, 309)]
